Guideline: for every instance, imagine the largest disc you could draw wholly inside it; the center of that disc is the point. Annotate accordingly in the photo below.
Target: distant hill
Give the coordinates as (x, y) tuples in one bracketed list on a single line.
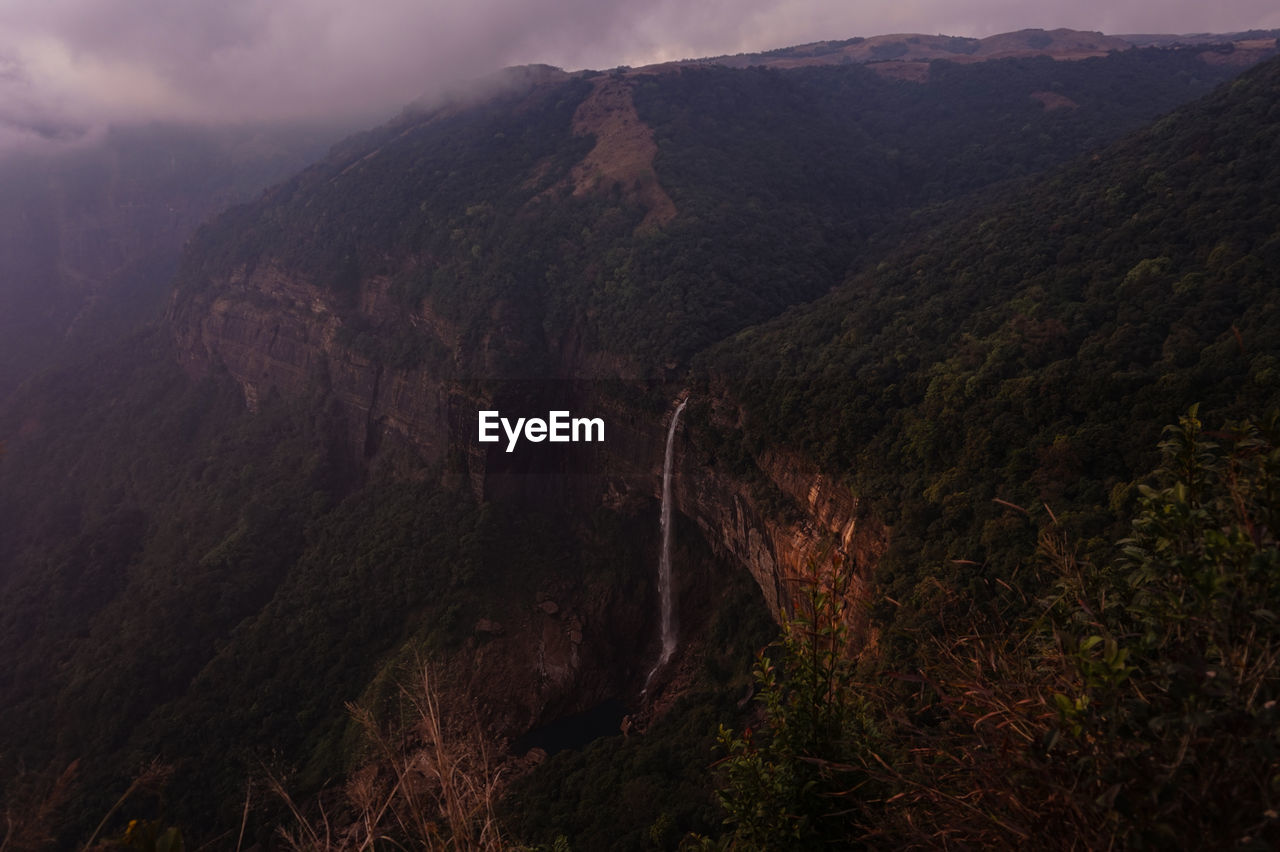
[(906, 54)]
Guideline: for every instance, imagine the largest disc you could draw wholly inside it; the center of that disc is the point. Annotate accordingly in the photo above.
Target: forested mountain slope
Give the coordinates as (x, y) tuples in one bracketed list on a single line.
[(1032, 351), (1066, 405), (777, 181), (273, 503)]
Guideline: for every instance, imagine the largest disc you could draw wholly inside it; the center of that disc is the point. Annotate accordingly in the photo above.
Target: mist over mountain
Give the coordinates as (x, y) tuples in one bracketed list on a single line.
[(90, 236), (925, 308)]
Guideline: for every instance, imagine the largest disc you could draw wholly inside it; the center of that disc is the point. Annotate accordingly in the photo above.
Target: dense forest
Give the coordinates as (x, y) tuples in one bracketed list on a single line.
[(1033, 351), (1007, 393), (1038, 344)]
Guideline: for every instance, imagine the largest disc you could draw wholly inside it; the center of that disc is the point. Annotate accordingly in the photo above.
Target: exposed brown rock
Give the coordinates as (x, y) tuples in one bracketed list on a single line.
[(273, 331), (1053, 100), (832, 530), (914, 72), (1246, 53)]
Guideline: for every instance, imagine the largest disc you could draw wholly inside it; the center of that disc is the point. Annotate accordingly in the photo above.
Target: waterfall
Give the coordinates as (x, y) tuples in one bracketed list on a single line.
[(664, 560)]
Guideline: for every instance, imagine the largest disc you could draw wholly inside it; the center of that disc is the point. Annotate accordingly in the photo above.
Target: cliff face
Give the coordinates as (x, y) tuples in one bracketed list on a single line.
[(274, 333), (827, 530)]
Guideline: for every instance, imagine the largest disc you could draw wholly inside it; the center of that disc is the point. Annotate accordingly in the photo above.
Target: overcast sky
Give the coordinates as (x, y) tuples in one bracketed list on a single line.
[(68, 66)]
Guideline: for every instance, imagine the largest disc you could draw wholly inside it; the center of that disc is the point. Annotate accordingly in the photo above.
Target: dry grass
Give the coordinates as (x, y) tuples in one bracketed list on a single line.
[(978, 769), (428, 785), (28, 819), (623, 154)]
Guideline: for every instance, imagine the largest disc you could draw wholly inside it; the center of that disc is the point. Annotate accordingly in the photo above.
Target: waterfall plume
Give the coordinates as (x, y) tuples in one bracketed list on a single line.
[(669, 627)]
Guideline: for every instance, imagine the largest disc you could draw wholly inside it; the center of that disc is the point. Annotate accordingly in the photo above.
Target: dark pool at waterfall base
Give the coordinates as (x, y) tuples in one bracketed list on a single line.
[(576, 731)]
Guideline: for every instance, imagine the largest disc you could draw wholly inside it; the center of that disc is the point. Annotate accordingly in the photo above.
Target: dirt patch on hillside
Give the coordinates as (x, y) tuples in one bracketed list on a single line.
[(623, 154), (1053, 100), (914, 72), (1246, 53)]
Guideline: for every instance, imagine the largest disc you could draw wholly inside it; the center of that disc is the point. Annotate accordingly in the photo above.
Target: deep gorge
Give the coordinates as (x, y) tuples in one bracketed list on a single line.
[(903, 356)]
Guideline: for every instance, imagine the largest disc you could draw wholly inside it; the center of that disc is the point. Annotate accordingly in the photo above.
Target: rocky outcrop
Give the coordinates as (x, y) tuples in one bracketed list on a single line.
[(274, 333), (550, 657), (828, 531)]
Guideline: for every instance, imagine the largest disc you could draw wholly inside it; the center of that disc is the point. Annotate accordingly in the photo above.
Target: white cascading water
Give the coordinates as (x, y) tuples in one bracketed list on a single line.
[(664, 560)]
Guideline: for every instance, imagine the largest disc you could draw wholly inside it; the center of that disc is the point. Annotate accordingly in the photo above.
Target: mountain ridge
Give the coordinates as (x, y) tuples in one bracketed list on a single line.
[(910, 49)]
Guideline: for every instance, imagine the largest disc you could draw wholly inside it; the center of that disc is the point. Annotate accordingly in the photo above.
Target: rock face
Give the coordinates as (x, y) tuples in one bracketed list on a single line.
[(547, 660), (829, 531), (275, 333)]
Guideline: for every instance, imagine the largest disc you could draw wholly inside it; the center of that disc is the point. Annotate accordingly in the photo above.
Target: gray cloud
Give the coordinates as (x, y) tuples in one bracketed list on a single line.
[(23, 118), (72, 64)]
